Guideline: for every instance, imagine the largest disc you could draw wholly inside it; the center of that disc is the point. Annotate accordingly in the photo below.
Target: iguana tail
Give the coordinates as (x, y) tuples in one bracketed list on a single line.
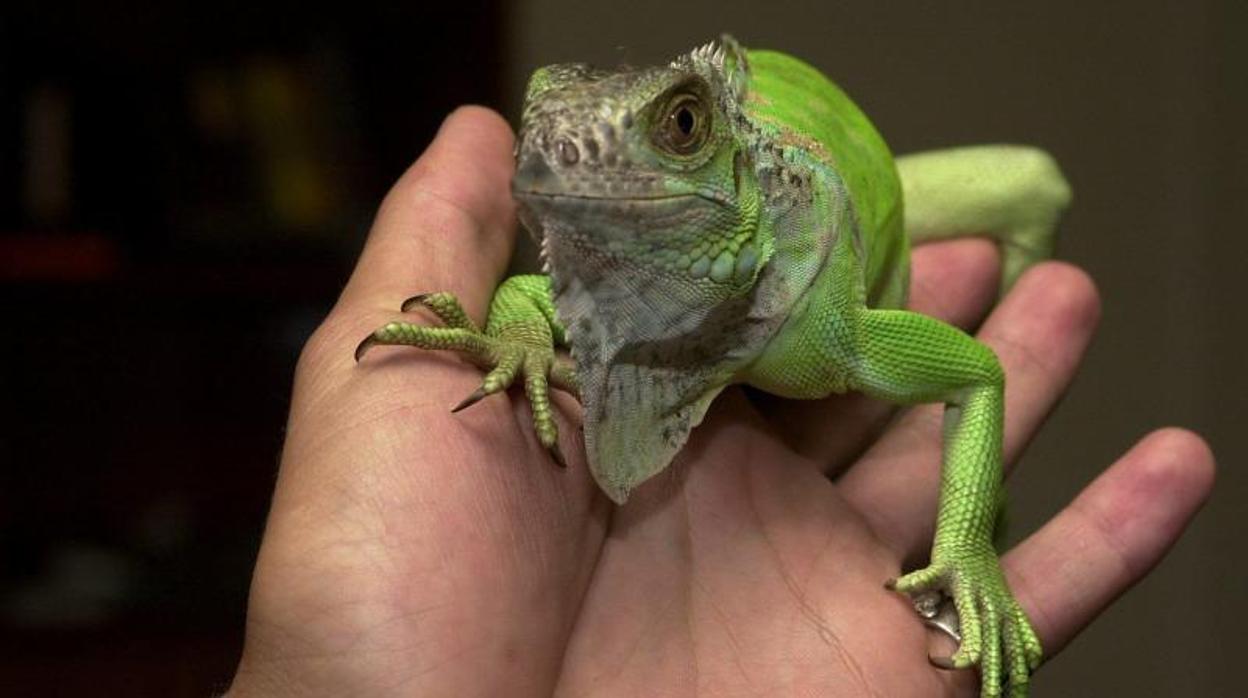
[(1012, 194)]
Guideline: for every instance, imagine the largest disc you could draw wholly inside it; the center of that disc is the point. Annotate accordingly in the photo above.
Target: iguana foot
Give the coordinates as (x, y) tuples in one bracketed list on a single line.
[(520, 348), (995, 633)]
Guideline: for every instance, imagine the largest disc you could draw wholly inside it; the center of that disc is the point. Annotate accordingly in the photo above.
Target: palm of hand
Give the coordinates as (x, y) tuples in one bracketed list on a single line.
[(411, 551), (742, 567)]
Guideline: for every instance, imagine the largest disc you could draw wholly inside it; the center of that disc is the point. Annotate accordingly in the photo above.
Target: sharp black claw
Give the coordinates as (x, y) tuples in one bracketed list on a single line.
[(891, 584), (364, 346), (557, 455), (414, 301), (943, 663), (471, 400)]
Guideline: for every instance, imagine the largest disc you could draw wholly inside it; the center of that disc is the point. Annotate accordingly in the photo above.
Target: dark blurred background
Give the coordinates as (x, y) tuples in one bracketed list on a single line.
[(183, 189)]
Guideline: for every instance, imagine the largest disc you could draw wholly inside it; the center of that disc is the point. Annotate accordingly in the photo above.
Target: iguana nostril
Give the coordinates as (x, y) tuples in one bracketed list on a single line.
[(568, 154), (591, 148), (533, 174)]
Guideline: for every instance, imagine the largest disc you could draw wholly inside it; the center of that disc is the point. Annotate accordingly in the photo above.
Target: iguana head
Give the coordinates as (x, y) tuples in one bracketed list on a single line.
[(643, 165), (638, 184)]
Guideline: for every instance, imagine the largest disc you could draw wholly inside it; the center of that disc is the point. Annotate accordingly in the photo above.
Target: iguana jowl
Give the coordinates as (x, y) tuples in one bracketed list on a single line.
[(734, 218)]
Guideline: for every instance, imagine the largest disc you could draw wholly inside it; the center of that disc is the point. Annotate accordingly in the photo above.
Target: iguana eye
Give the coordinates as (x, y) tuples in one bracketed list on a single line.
[(686, 125)]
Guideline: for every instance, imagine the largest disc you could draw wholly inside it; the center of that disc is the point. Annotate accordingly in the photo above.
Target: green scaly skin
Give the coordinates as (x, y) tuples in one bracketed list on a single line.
[(734, 218), (519, 340)]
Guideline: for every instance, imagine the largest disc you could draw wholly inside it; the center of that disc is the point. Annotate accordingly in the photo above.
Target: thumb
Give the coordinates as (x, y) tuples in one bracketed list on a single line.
[(448, 224)]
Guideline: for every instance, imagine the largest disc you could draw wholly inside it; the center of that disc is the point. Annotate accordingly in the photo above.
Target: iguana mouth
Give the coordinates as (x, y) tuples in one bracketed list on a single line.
[(523, 194), (535, 179)]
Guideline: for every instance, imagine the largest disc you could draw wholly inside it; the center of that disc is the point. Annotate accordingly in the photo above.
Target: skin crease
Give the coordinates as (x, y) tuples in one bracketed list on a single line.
[(410, 551)]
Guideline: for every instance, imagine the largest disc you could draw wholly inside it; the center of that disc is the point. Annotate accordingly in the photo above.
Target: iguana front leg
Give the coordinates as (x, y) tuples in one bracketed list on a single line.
[(519, 339), (909, 358)]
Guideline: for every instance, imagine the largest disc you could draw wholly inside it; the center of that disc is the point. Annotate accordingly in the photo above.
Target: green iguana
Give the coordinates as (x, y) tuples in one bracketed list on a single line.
[(734, 218)]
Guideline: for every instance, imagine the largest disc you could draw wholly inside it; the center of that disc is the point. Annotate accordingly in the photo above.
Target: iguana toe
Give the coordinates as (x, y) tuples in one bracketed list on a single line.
[(995, 633), (446, 306)]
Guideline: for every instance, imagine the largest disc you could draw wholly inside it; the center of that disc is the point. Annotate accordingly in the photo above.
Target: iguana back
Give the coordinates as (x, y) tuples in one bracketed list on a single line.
[(808, 111)]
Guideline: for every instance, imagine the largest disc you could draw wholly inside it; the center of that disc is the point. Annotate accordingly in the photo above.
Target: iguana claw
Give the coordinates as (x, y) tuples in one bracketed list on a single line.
[(557, 455), (476, 396), (418, 299), (364, 345), (942, 662)]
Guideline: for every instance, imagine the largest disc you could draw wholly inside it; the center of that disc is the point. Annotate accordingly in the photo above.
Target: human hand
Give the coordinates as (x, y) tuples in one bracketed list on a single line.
[(414, 552)]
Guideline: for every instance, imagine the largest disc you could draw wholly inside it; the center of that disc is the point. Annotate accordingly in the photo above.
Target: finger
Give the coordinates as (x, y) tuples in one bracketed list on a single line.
[(1039, 333), (955, 281), (1111, 535), (447, 224)]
